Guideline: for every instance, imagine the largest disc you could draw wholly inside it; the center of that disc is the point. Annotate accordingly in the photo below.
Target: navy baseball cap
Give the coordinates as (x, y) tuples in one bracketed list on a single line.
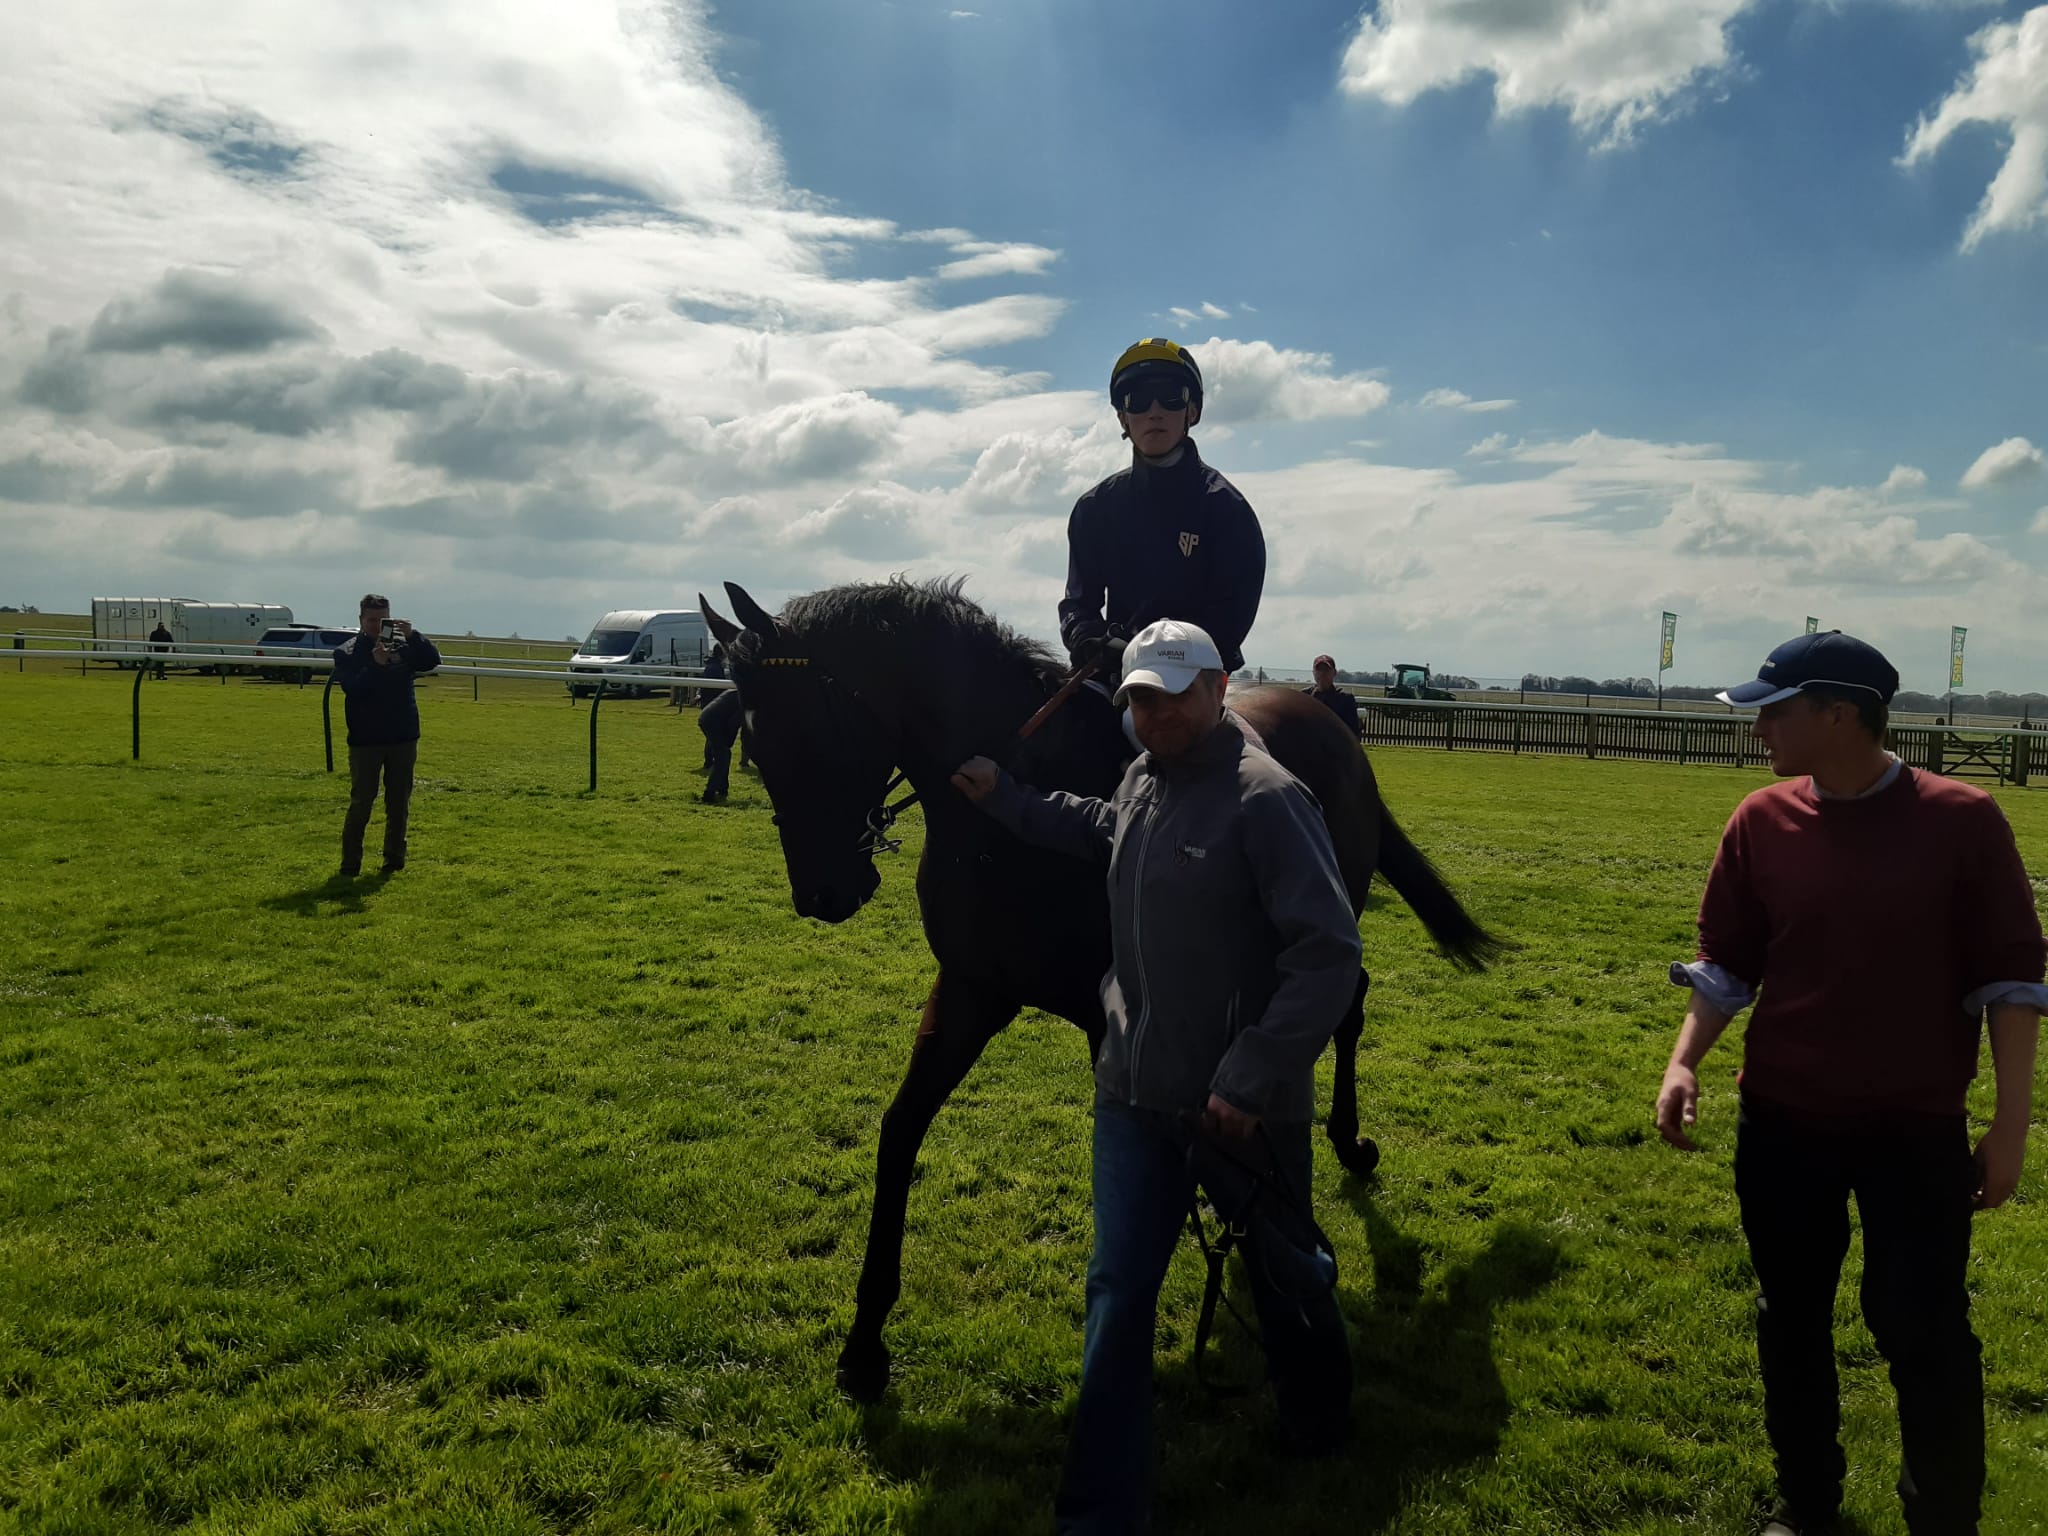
[(1833, 659)]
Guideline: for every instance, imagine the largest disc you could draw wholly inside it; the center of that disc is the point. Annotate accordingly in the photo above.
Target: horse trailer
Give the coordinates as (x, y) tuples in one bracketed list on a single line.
[(123, 625)]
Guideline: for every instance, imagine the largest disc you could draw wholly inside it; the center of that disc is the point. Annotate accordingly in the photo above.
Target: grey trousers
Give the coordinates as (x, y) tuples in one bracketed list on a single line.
[(394, 762)]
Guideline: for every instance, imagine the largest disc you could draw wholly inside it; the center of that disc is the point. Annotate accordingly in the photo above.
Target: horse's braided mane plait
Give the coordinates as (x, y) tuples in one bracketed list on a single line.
[(936, 611)]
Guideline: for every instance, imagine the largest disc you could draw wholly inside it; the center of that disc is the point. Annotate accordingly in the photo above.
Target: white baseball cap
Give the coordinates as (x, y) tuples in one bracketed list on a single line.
[(1168, 656)]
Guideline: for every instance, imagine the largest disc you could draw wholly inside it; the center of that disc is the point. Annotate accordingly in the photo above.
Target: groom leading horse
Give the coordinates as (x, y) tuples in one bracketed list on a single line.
[(855, 687)]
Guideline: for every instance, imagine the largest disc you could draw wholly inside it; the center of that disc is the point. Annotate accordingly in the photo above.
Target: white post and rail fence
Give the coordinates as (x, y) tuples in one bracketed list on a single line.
[(474, 668), (2003, 754)]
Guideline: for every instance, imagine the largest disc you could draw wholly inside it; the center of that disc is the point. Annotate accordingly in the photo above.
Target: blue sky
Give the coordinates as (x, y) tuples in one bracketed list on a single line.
[(1525, 319)]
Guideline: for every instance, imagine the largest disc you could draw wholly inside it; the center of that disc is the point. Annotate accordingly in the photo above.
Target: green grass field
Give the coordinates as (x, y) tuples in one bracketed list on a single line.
[(526, 1191)]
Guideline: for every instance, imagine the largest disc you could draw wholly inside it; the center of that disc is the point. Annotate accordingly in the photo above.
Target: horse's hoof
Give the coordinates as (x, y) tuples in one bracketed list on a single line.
[(1359, 1157), (864, 1370)]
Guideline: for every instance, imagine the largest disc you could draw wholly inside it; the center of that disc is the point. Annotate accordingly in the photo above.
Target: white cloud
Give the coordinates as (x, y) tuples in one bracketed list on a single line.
[(1597, 460), (1570, 560), (1214, 311), (823, 437), (2006, 88), (874, 523), (1255, 380), (988, 258), (1828, 536), (1903, 480), (2013, 459), (1184, 316), (1043, 471), (1615, 65), (1458, 400), (537, 296), (2040, 522), (1487, 446), (575, 190)]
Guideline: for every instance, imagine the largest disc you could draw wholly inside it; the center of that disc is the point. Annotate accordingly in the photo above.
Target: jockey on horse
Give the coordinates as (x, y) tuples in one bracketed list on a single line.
[(1167, 538)]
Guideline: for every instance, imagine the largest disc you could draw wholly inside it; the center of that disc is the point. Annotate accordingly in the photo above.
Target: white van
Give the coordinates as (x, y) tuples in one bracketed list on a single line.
[(637, 638), (124, 624)]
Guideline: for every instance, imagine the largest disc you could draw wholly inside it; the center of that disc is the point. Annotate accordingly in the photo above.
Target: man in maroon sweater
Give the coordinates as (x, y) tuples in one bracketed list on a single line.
[(1874, 914)]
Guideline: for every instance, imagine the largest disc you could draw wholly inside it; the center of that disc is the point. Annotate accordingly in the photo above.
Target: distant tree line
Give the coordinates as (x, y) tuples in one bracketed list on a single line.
[(1611, 687), (1996, 704), (1384, 679)]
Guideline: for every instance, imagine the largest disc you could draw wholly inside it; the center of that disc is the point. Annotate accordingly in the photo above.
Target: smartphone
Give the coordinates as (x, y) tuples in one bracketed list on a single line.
[(388, 632)]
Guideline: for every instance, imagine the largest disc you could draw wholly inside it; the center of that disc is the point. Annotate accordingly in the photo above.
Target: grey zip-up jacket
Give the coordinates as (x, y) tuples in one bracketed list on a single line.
[(1236, 948)]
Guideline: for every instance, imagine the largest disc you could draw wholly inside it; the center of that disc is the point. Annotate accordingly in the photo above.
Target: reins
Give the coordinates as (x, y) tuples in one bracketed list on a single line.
[(1232, 1232), (882, 819)]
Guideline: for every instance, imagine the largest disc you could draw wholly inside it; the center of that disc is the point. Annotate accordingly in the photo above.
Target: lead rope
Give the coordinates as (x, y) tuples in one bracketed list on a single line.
[(882, 819), (1231, 1235), (1214, 1255)]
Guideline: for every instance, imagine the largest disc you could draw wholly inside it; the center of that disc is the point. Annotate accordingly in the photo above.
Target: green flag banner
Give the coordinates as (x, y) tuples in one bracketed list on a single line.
[(1955, 656), (1812, 625), (1670, 637)]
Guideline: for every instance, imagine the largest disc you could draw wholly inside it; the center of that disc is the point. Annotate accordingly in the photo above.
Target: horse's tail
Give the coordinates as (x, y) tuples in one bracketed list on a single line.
[(1408, 869)]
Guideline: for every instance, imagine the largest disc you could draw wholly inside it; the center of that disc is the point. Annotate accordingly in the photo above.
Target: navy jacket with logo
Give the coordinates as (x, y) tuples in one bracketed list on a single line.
[(1179, 543)]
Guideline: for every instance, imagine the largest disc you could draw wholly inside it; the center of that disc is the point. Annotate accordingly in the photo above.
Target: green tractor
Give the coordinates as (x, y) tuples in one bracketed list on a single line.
[(1411, 681)]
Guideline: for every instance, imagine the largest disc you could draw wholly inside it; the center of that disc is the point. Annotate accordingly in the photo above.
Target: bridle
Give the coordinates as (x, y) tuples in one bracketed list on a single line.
[(881, 820)]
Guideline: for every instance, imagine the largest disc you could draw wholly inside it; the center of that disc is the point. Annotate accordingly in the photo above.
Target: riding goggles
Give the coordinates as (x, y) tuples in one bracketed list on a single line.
[(1136, 396)]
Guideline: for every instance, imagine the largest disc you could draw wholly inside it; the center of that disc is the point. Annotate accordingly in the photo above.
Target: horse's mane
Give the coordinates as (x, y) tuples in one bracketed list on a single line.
[(935, 612)]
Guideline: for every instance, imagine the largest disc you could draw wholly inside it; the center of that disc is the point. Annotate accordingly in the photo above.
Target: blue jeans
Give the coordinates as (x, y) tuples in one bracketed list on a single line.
[(1143, 1190)]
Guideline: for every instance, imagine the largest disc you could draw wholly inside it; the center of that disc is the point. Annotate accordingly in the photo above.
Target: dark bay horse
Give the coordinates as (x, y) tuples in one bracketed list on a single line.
[(855, 683)]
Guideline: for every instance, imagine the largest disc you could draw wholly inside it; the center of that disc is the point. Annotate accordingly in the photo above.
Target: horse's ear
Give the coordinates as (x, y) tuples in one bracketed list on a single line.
[(751, 613), (722, 629)]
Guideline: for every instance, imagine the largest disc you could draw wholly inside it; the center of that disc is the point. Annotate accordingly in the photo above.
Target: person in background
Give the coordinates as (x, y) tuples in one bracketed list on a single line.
[(714, 667), (375, 671), (723, 722), (1875, 915), (160, 640), (1340, 700)]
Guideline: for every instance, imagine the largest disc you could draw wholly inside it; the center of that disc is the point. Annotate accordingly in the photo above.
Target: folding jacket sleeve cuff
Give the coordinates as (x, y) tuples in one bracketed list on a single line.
[(1727, 992), (2029, 994)]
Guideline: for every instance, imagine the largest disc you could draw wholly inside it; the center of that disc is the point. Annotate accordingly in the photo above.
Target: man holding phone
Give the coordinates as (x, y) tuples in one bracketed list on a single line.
[(376, 671)]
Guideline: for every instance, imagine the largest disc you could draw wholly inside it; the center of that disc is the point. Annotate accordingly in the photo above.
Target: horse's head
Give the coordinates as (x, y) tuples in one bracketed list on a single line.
[(822, 753)]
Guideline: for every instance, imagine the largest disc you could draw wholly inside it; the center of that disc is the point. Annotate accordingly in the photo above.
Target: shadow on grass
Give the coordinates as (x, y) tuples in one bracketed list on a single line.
[(1428, 1399), (1430, 1396), (336, 896)]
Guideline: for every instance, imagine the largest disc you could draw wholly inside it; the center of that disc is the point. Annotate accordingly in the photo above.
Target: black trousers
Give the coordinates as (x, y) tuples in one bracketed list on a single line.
[(721, 721), (394, 763), (1913, 1182)]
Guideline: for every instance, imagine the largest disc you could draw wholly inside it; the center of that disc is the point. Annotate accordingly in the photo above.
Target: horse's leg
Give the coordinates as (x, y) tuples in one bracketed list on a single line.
[(959, 1020), (1359, 1154)]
